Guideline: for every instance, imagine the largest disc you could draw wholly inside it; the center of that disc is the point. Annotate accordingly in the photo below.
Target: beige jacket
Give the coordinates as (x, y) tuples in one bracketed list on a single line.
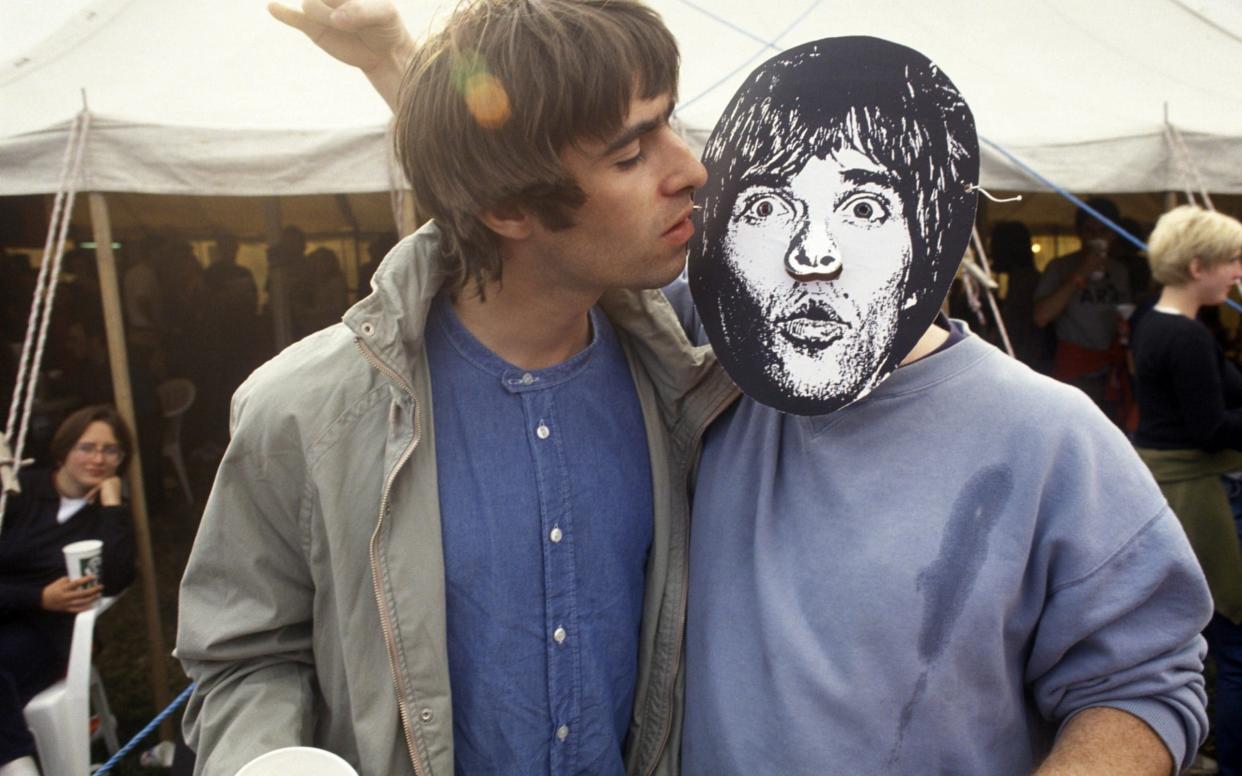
[(312, 608)]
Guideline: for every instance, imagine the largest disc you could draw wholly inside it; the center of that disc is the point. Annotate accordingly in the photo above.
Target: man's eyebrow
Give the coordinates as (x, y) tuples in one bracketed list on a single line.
[(630, 134), (768, 180), (885, 177)]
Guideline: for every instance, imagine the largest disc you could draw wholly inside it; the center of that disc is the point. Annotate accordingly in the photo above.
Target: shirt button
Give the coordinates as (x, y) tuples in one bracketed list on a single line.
[(556, 535), (562, 732), (558, 635), (528, 378), (543, 432)]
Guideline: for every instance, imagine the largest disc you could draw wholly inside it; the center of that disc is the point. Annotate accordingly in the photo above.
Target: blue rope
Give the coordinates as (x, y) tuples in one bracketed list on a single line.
[(1097, 214), (1233, 304), (146, 731), (766, 45)]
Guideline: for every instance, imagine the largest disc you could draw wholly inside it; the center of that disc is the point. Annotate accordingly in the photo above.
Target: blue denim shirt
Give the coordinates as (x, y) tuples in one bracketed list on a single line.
[(545, 501)]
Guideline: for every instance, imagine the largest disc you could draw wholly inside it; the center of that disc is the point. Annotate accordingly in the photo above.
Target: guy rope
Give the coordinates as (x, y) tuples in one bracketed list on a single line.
[(13, 440)]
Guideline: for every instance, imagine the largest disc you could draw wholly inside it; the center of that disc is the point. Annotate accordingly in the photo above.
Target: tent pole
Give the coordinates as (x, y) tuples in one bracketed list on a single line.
[(109, 290)]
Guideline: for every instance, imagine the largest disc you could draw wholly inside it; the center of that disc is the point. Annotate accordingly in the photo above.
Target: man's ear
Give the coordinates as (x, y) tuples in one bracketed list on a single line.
[(1196, 268), (509, 221)]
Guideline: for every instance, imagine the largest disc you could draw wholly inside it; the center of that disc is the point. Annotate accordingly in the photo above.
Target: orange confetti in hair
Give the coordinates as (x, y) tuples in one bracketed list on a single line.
[(487, 100)]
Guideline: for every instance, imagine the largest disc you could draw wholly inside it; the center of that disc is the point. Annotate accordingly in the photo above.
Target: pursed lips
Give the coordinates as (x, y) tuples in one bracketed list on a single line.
[(811, 324), (681, 226)]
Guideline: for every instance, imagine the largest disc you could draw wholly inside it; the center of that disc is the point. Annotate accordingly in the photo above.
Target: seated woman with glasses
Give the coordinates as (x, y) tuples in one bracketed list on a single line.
[(78, 499)]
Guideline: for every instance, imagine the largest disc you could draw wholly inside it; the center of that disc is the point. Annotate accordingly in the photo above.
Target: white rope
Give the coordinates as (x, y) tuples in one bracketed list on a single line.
[(32, 322), (45, 295), (1177, 158), (48, 304), (987, 268), (970, 285), (1189, 164)]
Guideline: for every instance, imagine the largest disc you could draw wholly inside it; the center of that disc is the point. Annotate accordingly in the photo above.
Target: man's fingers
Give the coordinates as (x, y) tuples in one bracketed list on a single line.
[(318, 11), (295, 19), (353, 15)]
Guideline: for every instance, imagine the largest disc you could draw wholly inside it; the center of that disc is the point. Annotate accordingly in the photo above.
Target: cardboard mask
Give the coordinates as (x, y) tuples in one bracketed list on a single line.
[(839, 202)]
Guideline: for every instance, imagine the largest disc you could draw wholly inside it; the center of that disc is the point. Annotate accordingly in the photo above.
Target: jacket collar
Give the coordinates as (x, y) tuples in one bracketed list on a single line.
[(391, 321)]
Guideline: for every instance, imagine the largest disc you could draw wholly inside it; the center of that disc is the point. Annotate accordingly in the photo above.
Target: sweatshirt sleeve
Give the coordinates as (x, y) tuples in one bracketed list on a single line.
[(1126, 635)]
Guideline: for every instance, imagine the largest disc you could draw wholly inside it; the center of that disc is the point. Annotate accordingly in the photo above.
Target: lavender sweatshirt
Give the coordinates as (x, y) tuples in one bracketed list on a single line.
[(932, 580)]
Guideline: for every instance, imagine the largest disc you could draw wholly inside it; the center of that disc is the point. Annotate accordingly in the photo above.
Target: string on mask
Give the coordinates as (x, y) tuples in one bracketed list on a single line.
[(1000, 200)]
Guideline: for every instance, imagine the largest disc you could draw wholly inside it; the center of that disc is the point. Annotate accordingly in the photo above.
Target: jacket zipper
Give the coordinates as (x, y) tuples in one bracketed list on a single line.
[(695, 445), (390, 641)]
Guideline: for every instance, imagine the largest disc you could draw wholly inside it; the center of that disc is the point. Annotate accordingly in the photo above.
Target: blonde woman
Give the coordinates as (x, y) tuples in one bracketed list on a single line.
[(1190, 427)]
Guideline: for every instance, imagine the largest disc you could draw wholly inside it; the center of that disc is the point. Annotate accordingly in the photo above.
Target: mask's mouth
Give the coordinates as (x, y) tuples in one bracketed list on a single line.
[(811, 325)]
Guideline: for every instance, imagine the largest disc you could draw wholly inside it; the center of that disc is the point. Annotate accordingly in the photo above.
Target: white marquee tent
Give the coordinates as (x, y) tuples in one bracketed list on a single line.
[(215, 98)]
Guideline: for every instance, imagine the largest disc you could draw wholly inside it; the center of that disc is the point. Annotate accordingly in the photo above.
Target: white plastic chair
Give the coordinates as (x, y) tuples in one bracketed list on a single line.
[(176, 396), (59, 717)]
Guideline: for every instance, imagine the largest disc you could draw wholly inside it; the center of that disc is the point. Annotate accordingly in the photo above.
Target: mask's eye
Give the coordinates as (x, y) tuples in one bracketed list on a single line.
[(868, 209), (764, 207)]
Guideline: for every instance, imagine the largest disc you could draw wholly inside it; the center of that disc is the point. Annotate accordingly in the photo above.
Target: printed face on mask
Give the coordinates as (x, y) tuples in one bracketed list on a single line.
[(822, 261), (839, 200)]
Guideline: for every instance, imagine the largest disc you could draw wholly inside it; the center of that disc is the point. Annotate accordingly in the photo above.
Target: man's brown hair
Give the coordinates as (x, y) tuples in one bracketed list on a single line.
[(74, 426), (487, 105)]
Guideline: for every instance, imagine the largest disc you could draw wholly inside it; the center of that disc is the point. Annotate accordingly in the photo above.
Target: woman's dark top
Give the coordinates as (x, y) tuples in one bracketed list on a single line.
[(31, 542), (1189, 396)]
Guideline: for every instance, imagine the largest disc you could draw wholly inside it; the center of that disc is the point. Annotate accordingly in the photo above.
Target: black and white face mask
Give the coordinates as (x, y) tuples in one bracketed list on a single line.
[(839, 202)]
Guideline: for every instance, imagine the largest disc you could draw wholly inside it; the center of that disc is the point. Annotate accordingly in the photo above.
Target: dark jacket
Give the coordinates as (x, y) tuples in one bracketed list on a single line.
[(30, 549)]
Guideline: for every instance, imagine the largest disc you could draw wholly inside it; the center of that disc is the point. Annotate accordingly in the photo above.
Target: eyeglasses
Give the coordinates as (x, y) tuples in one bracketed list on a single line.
[(88, 449)]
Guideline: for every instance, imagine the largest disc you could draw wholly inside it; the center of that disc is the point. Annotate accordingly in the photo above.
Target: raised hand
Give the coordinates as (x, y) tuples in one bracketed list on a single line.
[(108, 492), (367, 34)]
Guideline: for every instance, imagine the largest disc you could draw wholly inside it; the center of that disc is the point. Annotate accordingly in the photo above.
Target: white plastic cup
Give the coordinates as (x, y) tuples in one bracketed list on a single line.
[(1125, 311), (84, 558), (301, 760)]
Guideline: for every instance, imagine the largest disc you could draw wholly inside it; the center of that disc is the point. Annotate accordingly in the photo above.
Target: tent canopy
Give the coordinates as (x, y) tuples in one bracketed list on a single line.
[(216, 98)]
